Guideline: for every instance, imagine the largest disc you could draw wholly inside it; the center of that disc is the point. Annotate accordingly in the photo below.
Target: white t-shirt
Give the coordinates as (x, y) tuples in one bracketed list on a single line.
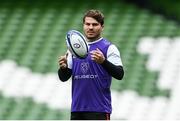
[(113, 55)]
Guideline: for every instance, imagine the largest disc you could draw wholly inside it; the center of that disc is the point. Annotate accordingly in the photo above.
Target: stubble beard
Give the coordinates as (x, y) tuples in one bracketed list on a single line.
[(93, 38)]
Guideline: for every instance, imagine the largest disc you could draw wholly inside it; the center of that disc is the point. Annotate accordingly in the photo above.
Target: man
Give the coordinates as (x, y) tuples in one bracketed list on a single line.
[(91, 77)]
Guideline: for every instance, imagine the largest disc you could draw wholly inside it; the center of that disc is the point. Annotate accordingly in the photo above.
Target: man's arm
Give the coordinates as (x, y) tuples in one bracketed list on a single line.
[(112, 64), (115, 71), (64, 74), (65, 64)]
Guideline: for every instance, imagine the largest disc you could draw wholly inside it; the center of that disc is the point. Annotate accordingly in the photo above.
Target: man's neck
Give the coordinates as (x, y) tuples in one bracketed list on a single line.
[(94, 41)]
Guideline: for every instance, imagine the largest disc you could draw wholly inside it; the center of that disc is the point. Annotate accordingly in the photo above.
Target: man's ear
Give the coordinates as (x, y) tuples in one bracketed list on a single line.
[(102, 27)]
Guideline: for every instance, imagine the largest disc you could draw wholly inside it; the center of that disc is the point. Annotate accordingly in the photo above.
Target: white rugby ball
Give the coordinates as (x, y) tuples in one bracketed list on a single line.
[(77, 44)]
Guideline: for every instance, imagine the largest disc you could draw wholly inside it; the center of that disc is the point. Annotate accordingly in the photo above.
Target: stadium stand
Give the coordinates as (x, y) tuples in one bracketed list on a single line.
[(33, 36)]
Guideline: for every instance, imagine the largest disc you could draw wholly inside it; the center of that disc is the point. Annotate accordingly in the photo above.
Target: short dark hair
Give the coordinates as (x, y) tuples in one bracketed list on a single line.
[(96, 14)]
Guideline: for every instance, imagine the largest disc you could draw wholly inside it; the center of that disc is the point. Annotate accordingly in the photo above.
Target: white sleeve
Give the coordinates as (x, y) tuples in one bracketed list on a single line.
[(69, 60), (113, 55)]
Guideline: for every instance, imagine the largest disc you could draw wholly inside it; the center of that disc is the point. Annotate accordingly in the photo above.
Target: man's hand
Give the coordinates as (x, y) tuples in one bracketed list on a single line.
[(63, 61), (97, 56)]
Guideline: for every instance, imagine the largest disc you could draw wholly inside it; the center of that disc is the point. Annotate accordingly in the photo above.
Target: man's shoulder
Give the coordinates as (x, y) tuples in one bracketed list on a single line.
[(106, 42)]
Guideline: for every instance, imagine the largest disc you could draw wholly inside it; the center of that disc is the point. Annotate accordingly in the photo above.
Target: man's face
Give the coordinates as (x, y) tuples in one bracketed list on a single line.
[(92, 29)]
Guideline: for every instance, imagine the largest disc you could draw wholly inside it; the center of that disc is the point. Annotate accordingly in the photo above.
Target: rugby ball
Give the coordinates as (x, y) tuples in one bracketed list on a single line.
[(77, 44)]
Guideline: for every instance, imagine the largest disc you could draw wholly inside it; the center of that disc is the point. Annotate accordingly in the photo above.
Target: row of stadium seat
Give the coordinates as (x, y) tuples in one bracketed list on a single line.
[(37, 33)]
